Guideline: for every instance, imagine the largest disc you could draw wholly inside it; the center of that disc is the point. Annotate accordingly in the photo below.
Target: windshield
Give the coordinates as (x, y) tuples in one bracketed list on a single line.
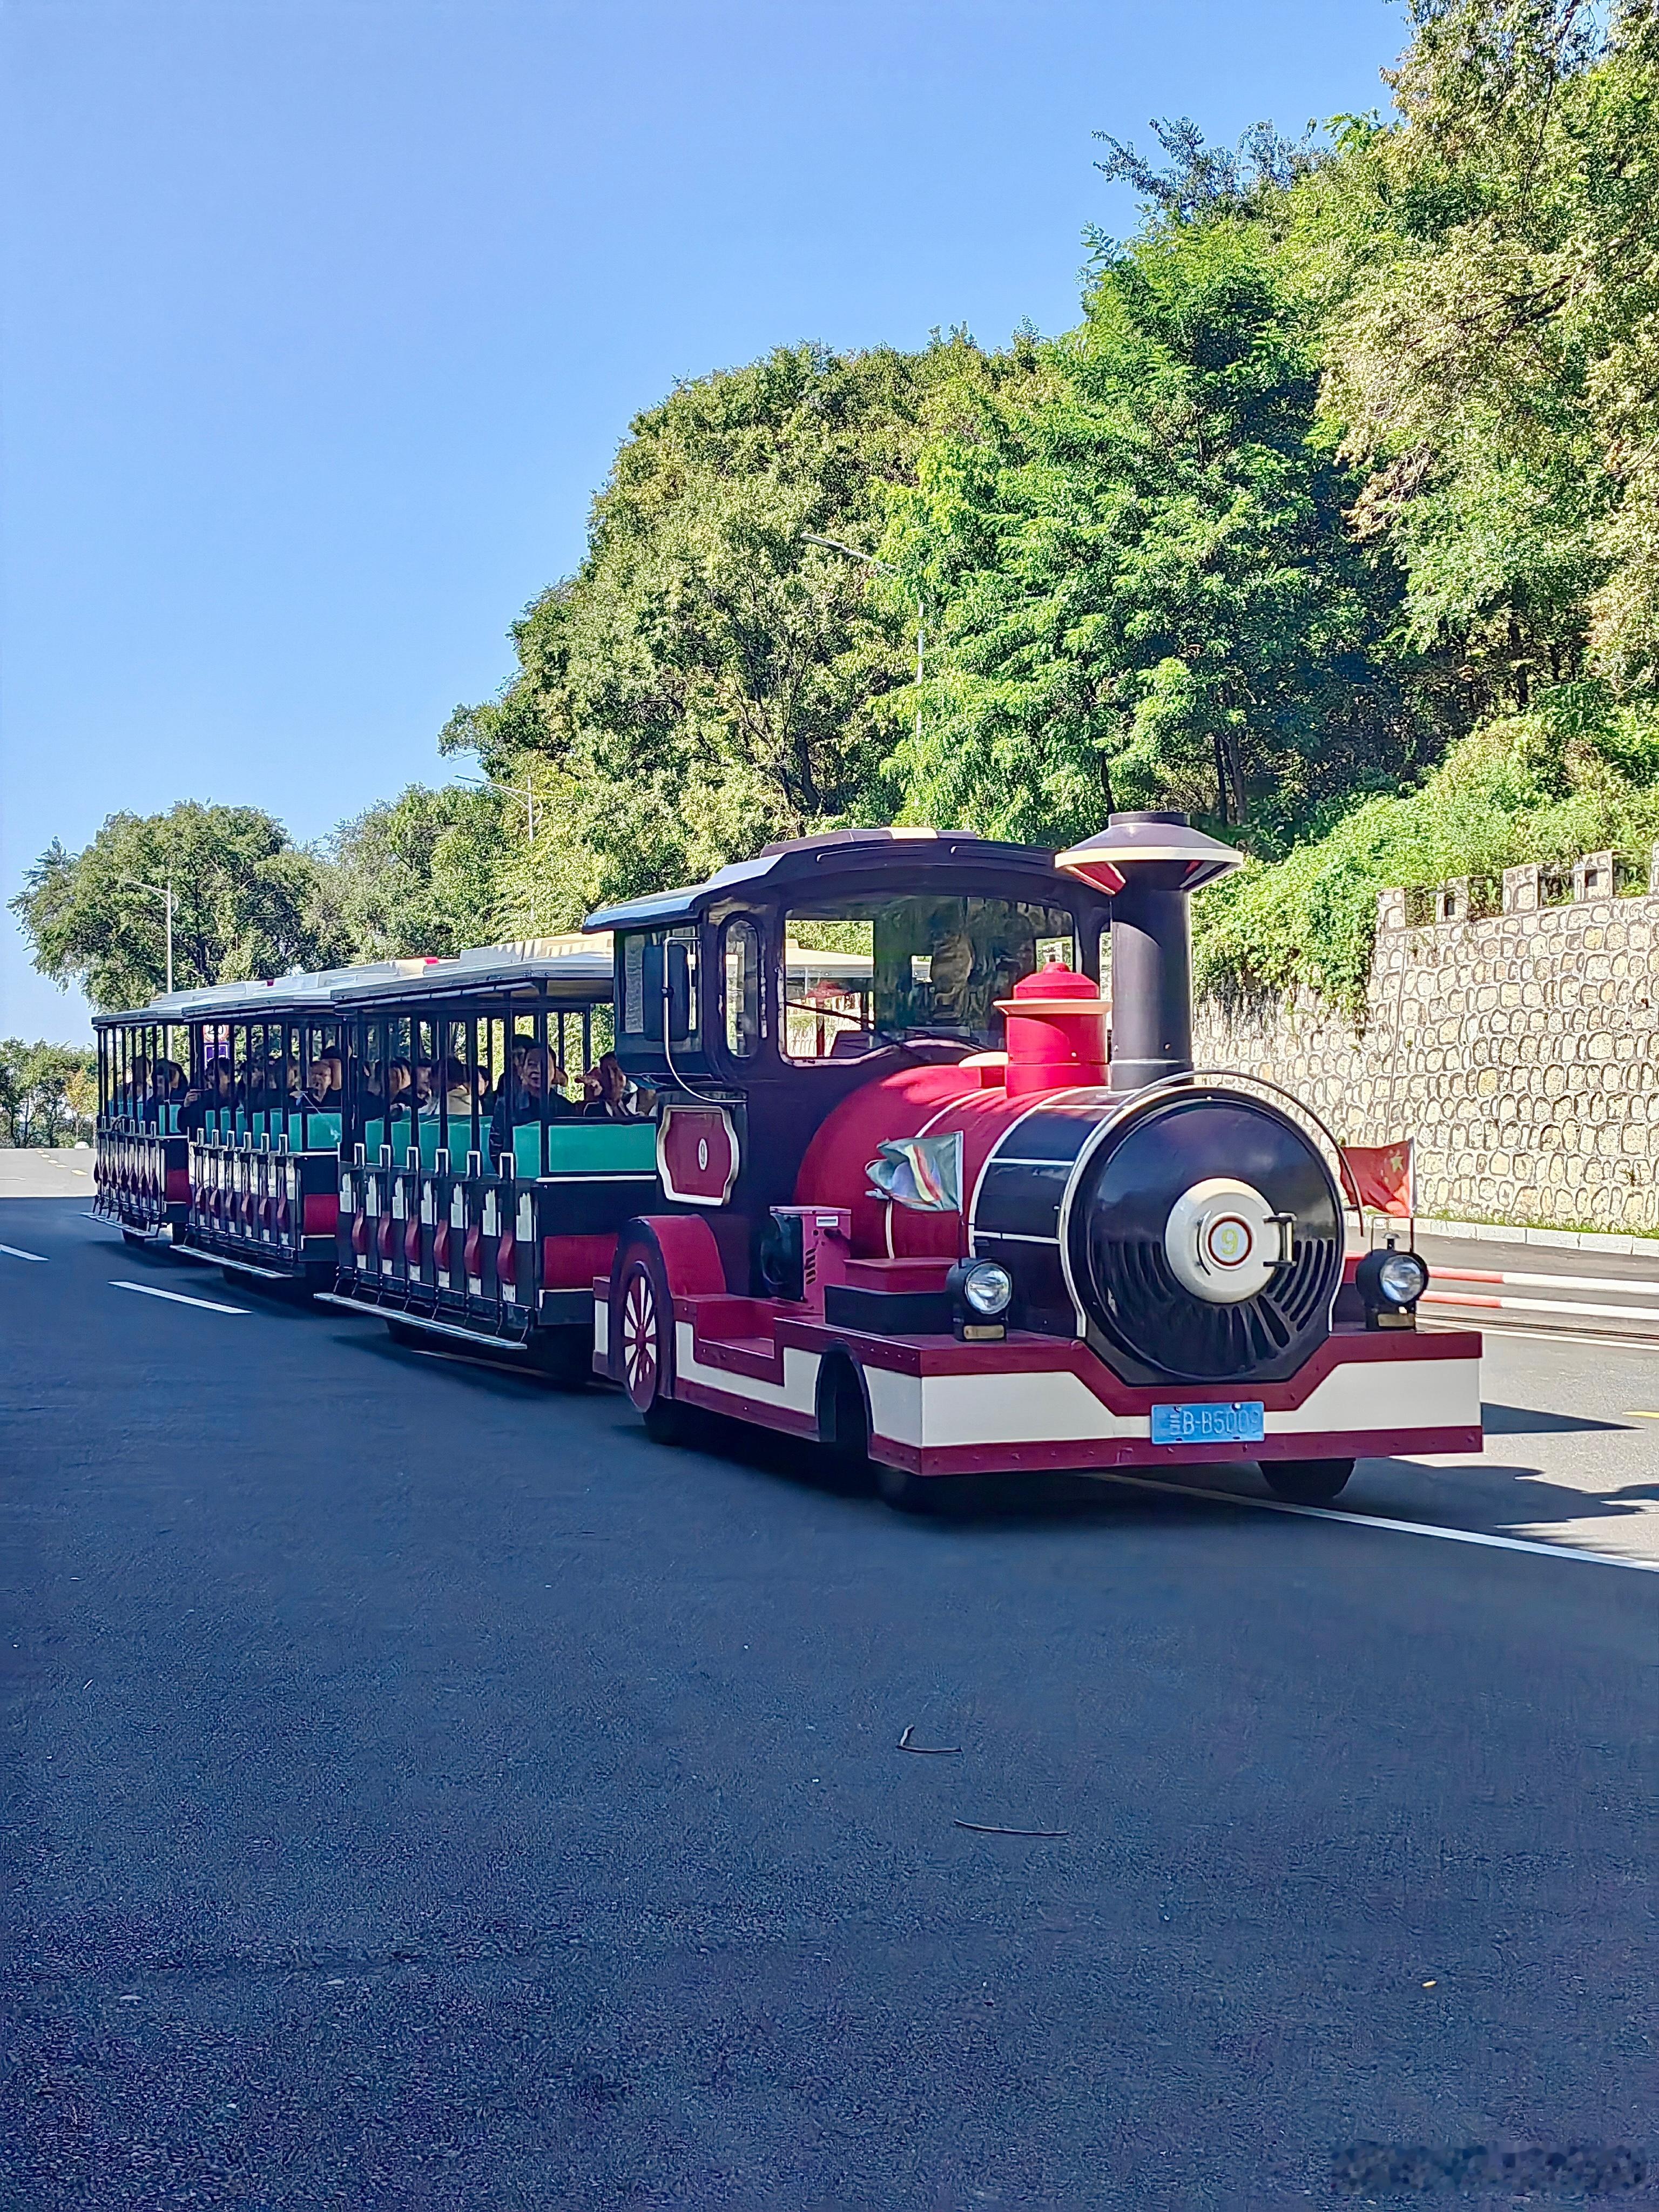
[(862, 972)]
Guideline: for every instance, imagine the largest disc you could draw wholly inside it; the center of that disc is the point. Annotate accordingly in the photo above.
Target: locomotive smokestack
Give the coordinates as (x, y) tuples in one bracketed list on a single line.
[(1152, 864)]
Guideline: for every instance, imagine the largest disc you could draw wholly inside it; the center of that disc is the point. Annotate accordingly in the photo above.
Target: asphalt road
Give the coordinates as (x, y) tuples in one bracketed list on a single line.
[(426, 1794)]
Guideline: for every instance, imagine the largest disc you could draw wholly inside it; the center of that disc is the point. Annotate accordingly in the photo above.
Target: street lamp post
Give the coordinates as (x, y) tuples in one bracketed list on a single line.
[(158, 891), (853, 553), (526, 791)]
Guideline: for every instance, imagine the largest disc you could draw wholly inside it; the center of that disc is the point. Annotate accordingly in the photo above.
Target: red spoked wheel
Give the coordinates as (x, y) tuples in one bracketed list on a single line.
[(644, 1323)]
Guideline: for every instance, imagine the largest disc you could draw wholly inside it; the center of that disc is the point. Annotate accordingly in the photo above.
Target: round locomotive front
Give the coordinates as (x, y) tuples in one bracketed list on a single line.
[(1193, 1235)]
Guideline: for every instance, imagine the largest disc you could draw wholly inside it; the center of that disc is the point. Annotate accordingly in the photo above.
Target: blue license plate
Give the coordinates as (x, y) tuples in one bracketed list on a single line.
[(1244, 1424)]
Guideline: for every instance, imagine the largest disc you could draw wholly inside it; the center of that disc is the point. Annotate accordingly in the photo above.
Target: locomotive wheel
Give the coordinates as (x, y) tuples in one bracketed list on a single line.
[(906, 1492), (1307, 1481), (844, 1428), (644, 1320)]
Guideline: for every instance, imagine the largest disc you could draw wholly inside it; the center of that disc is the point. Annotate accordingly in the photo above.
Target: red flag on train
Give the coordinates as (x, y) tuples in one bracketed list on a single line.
[(1384, 1176)]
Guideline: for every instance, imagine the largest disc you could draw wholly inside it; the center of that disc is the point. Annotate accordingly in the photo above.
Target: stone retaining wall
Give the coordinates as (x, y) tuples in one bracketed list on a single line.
[(1521, 1051)]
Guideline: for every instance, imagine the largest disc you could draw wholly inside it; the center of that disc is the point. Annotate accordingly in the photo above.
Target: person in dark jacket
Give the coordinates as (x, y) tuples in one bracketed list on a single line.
[(521, 1102)]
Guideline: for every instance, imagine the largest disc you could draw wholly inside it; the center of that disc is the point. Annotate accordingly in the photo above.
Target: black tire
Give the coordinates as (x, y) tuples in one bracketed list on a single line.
[(844, 1427), (1307, 1481), (136, 1238), (405, 1334), (645, 1352), (564, 1356), (906, 1492)]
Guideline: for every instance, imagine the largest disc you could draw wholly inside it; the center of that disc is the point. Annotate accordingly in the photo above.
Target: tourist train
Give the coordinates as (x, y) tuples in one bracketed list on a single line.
[(889, 1140)]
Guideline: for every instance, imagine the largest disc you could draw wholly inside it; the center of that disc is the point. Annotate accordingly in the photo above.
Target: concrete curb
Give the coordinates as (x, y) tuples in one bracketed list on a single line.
[(1561, 1240)]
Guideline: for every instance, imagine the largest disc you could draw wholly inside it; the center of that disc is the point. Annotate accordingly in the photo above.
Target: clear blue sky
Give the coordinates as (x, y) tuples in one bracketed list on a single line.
[(322, 322)]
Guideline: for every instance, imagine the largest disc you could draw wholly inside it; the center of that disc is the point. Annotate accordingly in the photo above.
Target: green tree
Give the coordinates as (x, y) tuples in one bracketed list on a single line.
[(1490, 273), (707, 679), (1148, 595), (48, 1092), (247, 903), (418, 875)]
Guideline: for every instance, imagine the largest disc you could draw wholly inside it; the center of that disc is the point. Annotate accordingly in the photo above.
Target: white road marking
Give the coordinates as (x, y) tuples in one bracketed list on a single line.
[(177, 1297), (1379, 1520), (12, 1252)]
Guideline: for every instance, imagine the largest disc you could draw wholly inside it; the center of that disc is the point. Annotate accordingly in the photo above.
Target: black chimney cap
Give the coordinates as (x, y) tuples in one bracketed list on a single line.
[(1130, 840)]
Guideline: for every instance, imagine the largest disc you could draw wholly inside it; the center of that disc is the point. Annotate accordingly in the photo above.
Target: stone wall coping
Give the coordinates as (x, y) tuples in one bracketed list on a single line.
[(1569, 1240)]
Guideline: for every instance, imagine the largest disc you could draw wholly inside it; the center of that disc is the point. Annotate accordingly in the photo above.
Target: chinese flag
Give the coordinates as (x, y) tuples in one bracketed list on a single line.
[(1383, 1174)]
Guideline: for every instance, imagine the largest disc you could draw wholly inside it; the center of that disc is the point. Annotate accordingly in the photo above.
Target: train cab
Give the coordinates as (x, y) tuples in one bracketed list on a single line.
[(944, 1198), (492, 1152)]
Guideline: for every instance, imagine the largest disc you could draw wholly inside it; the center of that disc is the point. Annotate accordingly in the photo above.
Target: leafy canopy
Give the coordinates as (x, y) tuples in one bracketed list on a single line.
[(1148, 594), (48, 1092), (247, 904), (708, 679)]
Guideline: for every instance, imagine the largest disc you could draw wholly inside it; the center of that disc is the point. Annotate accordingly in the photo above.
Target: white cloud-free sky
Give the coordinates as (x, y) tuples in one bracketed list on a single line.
[(323, 320)]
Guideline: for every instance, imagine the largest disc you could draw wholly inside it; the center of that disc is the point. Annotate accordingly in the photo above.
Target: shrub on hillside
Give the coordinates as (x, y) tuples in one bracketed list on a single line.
[(1575, 774)]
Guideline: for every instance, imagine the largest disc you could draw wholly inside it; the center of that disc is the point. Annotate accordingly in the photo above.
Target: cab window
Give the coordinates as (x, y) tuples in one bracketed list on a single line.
[(860, 973), (741, 987)]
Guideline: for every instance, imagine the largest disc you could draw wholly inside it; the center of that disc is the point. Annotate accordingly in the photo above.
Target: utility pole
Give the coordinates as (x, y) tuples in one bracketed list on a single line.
[(157, 891), (853, 553), (526, 791)]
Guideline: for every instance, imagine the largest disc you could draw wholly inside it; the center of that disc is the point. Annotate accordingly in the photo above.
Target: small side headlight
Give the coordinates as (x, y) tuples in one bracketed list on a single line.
[(988, 1288), (980, 1293), (1389, 1283), (1402, 1278)]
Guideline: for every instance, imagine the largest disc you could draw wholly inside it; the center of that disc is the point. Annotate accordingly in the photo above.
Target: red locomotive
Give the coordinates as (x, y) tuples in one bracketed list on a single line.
[(931, 1201)]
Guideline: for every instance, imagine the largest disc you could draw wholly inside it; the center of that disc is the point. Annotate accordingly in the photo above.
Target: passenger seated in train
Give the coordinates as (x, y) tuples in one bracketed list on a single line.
[(521, 1098), (215, 1089), (459, 1088), (324, 1085), (168, 1086), (610, 1097), (133, 1089)]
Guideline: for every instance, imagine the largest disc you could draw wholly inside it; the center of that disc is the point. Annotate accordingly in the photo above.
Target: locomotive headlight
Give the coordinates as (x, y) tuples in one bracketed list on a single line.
[(1389, 1283), (980, 1293), (988, 1288)]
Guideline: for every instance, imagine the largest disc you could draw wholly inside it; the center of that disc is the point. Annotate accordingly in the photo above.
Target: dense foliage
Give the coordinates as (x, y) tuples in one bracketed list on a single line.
[(1335, 522), (418, 874), (709, 678), (1149, 594), (48, 1092), (246, 902), (1571, 775)]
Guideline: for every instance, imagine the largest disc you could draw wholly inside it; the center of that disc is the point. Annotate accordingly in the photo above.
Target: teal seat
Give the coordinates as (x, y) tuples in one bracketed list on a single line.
[(373, 1138), (317, 1132), (429, 1134), (527, 1148), (600, 1147)]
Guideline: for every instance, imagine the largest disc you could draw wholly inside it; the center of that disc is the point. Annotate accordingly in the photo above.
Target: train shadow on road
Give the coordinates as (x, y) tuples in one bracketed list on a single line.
[(1534, 1421)]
